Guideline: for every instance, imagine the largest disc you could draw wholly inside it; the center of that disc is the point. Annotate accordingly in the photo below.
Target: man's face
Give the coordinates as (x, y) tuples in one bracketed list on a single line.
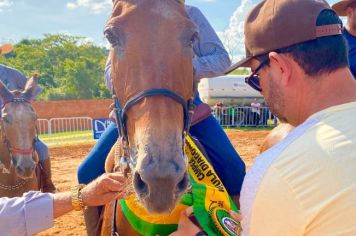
[(271, 89)]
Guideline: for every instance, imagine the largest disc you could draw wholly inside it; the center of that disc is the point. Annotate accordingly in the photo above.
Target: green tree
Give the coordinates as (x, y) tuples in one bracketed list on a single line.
[(70, 67)]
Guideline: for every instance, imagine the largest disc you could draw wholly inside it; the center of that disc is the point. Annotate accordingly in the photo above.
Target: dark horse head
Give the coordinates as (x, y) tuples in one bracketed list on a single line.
[(18, 128), (152, 51)]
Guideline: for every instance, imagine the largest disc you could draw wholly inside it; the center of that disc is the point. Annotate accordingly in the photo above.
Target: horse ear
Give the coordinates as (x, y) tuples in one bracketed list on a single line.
[(5, 94), (181, 1), (31, 88)]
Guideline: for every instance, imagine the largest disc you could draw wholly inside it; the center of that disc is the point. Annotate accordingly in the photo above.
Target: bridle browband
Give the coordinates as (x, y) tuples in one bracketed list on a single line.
[(11, 149)]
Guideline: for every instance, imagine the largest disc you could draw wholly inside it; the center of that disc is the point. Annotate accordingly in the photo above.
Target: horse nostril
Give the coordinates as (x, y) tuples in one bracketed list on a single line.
[(183, 184), (140, 185)]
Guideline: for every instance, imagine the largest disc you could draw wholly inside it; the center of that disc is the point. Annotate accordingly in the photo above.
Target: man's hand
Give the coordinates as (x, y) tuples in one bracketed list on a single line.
[(103, 190), (186, 226)]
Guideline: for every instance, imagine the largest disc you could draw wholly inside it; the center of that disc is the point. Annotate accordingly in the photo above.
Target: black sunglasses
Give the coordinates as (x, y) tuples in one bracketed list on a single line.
[(254, 80)]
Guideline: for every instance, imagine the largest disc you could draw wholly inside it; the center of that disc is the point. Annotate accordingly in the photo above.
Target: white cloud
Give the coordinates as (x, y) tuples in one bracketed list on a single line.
[(5, 4), (233, 36), (96, 6)]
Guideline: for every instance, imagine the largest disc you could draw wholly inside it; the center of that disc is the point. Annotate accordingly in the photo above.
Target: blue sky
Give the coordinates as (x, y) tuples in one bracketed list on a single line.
[(33, 18)]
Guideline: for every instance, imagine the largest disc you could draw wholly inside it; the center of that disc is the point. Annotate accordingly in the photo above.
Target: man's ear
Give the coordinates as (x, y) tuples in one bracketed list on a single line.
[(282, 65), (349, 11)]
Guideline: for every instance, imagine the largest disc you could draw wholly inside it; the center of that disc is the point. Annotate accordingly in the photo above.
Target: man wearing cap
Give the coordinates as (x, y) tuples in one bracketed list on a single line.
[(14, 79), (305, 185), (348, 8)]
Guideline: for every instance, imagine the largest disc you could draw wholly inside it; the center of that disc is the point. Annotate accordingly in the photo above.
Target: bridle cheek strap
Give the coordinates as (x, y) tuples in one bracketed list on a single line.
[(187, 105)]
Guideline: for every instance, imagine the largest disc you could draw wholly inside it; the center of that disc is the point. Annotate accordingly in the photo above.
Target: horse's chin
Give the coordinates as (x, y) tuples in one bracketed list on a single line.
[(159, 207)]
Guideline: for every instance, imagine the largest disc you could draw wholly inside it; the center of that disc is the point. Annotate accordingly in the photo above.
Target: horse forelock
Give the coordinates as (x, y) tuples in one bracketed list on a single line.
[(123, 8)]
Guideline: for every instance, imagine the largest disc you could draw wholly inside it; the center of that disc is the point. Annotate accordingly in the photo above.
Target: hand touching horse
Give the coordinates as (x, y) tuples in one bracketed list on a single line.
[(18, 160)]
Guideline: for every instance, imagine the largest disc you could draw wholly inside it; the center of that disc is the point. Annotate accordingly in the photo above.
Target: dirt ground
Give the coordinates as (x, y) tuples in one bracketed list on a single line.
[(66, 159)]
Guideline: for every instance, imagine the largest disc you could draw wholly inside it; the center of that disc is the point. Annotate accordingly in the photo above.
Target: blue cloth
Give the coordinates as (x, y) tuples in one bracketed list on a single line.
[(94, 164), (42, 150), (351, 42), (26, 215)]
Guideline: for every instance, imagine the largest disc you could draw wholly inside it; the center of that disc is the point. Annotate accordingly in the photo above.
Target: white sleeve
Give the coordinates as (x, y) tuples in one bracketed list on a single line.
[(26, 215)]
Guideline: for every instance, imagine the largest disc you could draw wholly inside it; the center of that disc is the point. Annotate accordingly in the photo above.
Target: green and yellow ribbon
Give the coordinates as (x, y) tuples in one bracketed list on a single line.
[(207, 194)]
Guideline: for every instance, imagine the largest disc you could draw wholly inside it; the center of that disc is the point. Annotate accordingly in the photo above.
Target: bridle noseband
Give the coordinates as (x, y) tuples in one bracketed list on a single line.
[(120, 112)]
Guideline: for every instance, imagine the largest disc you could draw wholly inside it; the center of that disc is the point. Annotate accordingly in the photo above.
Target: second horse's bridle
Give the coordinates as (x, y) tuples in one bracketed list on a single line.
[(11, 149)]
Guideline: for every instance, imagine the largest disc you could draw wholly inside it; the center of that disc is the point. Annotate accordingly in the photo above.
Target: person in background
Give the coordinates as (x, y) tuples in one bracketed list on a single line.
[(35, 211), (348, 8), (256, 112), (219, 111), (15, 80)]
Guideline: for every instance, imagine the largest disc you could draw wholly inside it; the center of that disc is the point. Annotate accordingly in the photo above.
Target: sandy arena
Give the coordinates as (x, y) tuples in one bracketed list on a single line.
[(66, 159)]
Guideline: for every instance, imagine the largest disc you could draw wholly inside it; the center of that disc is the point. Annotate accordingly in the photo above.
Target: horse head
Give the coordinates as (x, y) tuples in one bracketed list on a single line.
[(18, 127), (152, 72)]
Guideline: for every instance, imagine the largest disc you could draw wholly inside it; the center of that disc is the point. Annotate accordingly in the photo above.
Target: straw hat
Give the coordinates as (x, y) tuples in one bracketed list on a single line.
[(340, 7), (6, 48)]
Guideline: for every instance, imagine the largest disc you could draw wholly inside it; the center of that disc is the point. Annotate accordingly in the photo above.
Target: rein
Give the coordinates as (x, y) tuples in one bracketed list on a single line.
[(120, 113)]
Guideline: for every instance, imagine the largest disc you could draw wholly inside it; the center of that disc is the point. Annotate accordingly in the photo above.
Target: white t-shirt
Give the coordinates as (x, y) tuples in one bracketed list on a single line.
[(306, 184), (255, 107)]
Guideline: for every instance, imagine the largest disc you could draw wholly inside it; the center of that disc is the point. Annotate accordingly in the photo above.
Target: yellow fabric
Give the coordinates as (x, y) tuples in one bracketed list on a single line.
[(204, 174), (310, 188), (140, 211)]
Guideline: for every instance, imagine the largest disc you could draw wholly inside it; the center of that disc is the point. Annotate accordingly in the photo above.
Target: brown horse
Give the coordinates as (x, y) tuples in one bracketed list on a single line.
[(276, 135), (18, 160), (152, 75)]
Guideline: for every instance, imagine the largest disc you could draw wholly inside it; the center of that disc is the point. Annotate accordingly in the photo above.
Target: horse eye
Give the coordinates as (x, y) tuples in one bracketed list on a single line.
[(193, 39), (110, 36)]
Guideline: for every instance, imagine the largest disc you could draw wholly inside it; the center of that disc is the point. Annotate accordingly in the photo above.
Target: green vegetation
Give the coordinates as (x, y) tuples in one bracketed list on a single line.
[(242, 71), (70, 67)]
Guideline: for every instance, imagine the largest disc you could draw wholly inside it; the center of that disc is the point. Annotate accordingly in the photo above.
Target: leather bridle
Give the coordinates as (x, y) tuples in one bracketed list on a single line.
[(121, 117), (12, 150)]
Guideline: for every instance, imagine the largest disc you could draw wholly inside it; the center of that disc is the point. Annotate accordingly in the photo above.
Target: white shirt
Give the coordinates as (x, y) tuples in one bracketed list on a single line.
[(26, 215)]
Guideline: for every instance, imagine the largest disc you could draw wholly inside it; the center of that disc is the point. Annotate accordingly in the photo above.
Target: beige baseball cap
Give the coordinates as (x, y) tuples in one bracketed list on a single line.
[(6, 48), (340, 7), (275, 24)]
